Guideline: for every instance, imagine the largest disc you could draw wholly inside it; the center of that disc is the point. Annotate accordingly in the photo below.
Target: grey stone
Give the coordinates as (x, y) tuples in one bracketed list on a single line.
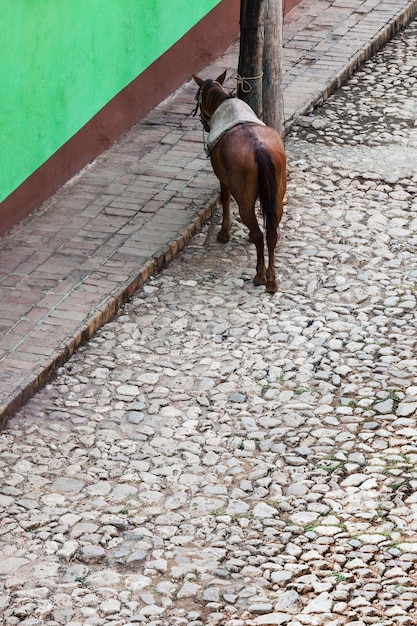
[(74, 573), (263, 510), (384, 407), (281, 577), (189, 590), (272, 618), (260, 608), (237, 397), (92, 554), (67, 485), (110, 606), (136, 558), (288, 602), (406, 408), (135, 417), (12, 564), (211, 594), (321, 604)]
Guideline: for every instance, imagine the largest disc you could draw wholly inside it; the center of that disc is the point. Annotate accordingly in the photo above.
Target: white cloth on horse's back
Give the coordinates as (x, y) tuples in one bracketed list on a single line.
[(229, 114)]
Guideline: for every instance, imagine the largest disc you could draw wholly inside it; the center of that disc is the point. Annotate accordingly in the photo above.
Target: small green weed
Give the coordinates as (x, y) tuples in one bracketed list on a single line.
[(340, 578)]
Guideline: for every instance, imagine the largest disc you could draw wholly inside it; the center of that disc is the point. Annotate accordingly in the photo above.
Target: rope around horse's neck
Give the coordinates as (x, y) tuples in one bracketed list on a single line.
[(244, 84)]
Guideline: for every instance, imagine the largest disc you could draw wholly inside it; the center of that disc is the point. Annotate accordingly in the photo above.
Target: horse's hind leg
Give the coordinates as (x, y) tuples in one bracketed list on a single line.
[(271, 242), (224, 233), (247, 213)]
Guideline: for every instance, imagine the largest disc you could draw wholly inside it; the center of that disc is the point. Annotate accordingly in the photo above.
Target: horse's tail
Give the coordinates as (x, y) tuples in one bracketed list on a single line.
[(267, 187)]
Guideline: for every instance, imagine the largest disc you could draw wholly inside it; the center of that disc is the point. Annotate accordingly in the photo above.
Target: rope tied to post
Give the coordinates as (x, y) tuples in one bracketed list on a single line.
[(244, 82)]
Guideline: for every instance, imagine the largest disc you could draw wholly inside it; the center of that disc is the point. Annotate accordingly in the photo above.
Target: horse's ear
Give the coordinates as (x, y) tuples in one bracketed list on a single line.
[(221, 78), (198, 80)]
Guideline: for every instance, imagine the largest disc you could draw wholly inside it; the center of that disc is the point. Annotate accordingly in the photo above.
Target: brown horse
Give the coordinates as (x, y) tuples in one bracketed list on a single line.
[(249, 160)]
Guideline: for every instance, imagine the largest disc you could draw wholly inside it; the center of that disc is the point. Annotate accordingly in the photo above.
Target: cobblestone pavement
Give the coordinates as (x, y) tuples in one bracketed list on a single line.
[(216, 455)]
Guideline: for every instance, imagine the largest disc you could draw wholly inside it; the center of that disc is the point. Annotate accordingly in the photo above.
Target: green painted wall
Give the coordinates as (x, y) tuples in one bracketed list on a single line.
[(61, 61)]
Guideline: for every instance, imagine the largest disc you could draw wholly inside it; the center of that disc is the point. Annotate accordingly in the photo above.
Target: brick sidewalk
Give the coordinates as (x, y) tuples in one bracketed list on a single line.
[(66, 269)]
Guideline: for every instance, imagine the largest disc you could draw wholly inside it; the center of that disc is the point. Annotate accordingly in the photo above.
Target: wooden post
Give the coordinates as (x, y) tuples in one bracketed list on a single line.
[(250, 54), (272, 92)]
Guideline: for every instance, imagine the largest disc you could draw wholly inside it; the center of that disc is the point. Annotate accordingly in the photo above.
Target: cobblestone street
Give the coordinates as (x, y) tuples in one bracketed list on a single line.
[(217, 455)]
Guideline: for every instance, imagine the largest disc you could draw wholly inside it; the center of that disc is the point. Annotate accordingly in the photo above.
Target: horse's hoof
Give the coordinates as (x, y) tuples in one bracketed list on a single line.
[(223, 237), (259, 280), (271, 287)]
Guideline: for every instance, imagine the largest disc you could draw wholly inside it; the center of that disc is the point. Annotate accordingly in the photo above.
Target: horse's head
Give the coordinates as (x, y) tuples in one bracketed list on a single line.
[(209, 96)]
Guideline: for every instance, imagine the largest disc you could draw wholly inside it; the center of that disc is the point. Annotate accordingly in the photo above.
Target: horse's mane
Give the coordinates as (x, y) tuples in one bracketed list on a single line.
[(214, 95)]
